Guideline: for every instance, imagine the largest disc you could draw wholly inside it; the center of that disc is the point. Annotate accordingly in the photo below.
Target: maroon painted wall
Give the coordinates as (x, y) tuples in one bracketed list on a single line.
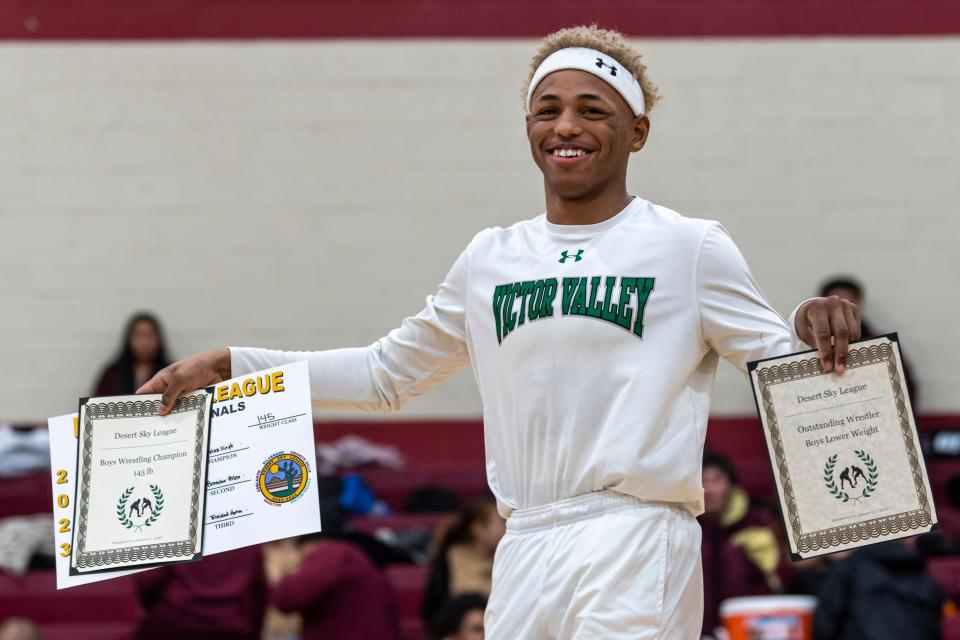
[(238, 19)]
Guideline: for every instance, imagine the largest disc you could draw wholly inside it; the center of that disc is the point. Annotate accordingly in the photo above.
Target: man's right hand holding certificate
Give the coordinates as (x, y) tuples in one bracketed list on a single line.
[(196, 372)]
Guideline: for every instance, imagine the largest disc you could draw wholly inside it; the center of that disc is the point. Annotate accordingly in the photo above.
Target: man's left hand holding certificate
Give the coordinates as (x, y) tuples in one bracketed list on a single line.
[(141, 481)]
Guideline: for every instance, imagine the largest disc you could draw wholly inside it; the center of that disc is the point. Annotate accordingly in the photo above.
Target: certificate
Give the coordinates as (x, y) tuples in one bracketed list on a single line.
[(844, 450), (257, 421), (141, 482), (261, 484)]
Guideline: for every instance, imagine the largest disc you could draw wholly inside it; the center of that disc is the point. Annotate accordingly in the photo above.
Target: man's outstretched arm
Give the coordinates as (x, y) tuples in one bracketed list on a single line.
[(739, 323), (412, 359), (195, 372)]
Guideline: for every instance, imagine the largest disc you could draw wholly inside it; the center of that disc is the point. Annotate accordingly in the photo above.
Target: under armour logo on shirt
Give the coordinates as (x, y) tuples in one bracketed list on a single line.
[(577, 258), (601, 64)]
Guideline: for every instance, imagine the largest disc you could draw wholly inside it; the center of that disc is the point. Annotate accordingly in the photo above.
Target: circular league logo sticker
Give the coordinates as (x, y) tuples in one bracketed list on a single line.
[(283, 477)]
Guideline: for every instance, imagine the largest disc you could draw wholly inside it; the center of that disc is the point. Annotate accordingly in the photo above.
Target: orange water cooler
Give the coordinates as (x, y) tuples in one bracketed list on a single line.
[(768, 617)]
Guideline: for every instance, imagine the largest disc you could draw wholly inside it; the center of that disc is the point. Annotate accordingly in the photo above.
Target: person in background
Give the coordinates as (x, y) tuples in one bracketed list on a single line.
[(463, 556), (143, 353), (338, 591), (880, 592), (221, 598), (850, 289), (807, 576), (461, 618), (740, 552), (21, 629)]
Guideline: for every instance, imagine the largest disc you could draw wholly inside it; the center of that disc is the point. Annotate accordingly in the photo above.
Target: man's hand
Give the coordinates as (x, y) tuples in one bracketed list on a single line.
[(195, 372), (828, 325)]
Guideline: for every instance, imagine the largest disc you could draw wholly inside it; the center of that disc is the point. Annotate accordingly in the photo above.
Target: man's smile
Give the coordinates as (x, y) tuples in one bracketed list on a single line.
[(568, 154)]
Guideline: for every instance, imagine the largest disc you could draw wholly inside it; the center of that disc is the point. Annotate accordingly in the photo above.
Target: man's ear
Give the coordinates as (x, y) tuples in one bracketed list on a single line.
[(641, 131)]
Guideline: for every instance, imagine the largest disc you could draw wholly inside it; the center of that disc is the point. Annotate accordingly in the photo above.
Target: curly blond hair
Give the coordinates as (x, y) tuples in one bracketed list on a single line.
[(606, 41)]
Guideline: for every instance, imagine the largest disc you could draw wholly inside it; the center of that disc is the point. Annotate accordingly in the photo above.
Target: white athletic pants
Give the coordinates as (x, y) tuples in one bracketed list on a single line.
[(602, 565)]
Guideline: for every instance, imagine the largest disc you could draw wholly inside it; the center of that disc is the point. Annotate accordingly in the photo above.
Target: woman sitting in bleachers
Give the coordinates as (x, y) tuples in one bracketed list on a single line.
[(463, 556), (143, 352)]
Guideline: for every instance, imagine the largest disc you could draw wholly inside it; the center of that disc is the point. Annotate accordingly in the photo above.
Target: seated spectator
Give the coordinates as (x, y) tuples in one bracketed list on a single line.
[(936, 545), (463, 556), (222, 597), (338, 591), (336, 526), (461, 618), (741, 555), (807, 576), (20, 629), (880, 592), (850, 289), (281, 557), (143, 353)]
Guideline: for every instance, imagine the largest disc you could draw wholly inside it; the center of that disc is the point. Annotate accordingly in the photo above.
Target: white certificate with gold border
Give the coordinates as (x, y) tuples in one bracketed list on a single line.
[(141, 482), (844, 449)]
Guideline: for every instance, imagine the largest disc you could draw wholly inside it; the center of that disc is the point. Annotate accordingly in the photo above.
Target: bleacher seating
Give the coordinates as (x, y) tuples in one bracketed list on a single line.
[(108, 608), (88, 631), (25, 496), (951, 627), (445, 454), (439, 445), (397, 522), (946, 571), (408, 582), (393, 487)]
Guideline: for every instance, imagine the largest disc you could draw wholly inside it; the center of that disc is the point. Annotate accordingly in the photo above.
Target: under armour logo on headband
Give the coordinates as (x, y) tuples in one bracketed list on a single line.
[(601, 64), (597, 63)]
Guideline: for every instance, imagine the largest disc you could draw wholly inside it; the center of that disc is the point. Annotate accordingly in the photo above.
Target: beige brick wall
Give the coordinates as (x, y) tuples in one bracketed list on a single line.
[(309, 195)]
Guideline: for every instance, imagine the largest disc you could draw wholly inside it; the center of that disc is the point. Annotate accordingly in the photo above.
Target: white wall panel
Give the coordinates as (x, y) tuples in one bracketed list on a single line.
[(309, 195)]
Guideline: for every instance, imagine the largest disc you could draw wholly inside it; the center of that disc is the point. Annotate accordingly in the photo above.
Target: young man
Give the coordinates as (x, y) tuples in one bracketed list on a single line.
[(594, 332)]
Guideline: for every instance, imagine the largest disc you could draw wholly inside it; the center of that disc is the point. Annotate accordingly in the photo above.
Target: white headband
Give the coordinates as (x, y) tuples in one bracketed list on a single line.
[(600, 65)]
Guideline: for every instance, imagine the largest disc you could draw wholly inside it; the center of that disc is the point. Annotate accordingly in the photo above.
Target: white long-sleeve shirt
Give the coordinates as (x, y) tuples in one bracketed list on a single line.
[(594, 347)]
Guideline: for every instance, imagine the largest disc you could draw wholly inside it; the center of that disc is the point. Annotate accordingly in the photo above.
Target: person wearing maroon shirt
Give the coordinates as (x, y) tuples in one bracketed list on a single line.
[(850, 289), (740, 552), (339, 592), (143, 353), (224, 597)]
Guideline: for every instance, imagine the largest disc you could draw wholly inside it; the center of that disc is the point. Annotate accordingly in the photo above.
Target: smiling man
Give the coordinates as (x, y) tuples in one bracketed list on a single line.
[(594, 332)]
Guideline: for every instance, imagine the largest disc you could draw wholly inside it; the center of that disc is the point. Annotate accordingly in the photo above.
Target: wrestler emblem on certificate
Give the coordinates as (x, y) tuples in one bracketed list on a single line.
[(141, 481), (844, 450)]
